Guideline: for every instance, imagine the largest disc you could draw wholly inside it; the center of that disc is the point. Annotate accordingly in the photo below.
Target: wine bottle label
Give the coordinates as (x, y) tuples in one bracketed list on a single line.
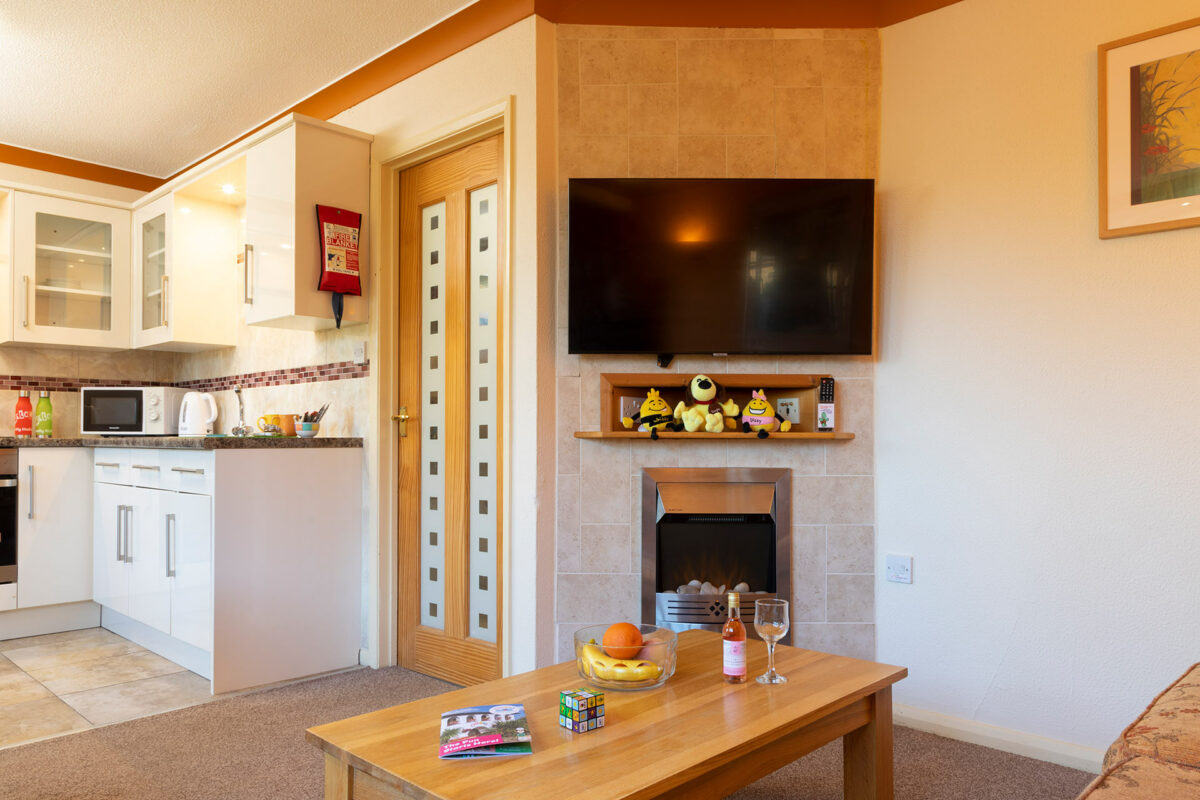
[(735, 657)]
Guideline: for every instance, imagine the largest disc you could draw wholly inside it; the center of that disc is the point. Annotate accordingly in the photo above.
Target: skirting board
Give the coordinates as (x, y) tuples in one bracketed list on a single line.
[(185, 655), (24, 622), (1076, 756)]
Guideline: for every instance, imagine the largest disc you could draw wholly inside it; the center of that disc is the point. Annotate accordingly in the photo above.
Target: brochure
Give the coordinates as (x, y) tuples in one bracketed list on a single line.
[(481, 731)]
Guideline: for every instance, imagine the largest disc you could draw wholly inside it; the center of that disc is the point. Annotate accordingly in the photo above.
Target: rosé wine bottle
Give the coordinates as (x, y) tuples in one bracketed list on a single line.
[(734, 634)]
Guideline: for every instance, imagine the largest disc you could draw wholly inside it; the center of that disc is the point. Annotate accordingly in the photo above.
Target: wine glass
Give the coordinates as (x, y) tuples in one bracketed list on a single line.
[(771, 623)]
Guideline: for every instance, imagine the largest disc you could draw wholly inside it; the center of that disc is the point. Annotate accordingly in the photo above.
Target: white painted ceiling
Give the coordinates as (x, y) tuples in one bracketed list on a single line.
[(153, 86)]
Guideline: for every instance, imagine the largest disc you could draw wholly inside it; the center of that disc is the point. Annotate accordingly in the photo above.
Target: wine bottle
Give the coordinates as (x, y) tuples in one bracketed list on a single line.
[(734, 635)]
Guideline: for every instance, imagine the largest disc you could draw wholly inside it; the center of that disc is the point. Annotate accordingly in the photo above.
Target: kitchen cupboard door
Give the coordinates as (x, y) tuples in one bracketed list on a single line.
[(110, 573), (152, 229), (70, 273), (149, 584), (189, 561), (54, 525)]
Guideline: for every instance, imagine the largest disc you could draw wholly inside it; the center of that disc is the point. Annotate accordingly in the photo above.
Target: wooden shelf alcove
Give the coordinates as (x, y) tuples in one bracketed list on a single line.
[(616, 385)]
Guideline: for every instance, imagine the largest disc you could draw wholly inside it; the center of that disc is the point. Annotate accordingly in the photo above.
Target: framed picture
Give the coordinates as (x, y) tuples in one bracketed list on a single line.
[(1150, 131)]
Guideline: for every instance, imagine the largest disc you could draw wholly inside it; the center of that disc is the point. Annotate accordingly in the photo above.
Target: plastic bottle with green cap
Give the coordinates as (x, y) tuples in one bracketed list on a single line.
[(43, 417)]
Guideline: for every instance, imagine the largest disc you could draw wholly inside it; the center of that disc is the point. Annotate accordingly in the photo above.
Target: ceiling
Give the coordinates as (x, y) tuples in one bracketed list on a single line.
[(152, 87), (149, 88)]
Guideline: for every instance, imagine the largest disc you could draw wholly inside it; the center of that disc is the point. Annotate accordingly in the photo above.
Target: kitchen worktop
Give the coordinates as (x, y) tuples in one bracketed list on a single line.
[(190, 442)]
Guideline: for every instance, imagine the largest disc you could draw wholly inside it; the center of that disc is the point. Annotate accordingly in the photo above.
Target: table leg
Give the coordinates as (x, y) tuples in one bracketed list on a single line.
[(339, 779), (867, 753)]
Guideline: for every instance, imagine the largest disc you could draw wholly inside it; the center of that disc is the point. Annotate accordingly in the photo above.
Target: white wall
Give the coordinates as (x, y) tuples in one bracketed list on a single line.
[(1037, 434)]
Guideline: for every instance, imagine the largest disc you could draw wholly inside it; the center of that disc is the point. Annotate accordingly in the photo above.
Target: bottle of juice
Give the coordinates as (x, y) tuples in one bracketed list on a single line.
[(43, 417), (734, 646), (23, 424)]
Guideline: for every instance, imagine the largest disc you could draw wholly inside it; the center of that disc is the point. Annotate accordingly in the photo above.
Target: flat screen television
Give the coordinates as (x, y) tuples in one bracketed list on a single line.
[(728, 266)]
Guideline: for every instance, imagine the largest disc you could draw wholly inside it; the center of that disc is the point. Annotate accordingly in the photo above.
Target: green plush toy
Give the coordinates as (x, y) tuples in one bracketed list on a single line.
[(701, 408), (654, 415)]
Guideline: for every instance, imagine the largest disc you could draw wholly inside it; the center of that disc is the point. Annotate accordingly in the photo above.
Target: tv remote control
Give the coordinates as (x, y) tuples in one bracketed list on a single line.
[(825, 405)]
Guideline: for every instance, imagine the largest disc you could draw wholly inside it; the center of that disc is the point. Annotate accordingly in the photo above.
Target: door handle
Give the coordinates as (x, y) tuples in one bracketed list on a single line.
[(145, 466), (248, 289), (187, 470), (128, 536), (31, 491), (121, 533), (162, 306), (403, 418), (170, 531), (25, 318)]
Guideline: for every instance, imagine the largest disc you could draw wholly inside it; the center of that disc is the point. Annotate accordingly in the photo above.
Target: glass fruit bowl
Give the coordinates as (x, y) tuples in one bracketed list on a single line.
[(648, 668)]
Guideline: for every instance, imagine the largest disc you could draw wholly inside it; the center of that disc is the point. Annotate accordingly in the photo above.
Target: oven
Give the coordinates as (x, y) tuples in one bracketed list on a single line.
[(8, 515)]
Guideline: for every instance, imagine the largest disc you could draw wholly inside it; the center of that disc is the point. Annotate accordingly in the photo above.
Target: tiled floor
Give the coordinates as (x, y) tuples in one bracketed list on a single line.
[(72, 681)]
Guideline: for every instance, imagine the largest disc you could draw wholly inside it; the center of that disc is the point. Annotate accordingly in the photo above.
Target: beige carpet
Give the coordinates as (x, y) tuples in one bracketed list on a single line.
[(252, 748)]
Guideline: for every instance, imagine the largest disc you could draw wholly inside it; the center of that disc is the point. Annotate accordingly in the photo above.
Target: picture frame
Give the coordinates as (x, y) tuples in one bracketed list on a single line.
[(1149, 131)]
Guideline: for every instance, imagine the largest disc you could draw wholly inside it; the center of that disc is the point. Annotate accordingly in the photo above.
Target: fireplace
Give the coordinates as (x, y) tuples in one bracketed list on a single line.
[(706, 532)]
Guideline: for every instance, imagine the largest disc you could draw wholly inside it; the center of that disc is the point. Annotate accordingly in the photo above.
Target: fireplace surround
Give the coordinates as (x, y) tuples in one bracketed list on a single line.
[(720, 526)]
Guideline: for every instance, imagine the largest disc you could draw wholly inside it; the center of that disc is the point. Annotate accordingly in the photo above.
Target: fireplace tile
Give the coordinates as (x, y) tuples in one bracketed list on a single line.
[(568, 423), (568, 364), (838, 366), (833, 500), (612, 598), (851, 598), (604, 482), (855, 411), (807, 458), (851, 548), (567, 524), (808, 573), (741, 365), (845, 639), (663, 453), (605, 548)]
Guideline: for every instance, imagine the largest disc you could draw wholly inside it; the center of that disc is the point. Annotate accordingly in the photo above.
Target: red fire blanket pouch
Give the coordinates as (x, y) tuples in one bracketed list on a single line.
[(339, 230)]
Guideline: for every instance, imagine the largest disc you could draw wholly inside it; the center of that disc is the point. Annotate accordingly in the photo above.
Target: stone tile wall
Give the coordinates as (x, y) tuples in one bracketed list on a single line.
[(703, 102)]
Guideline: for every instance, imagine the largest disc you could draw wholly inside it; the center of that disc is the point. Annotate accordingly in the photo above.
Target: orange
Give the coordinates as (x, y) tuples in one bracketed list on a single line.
[(622, 640)]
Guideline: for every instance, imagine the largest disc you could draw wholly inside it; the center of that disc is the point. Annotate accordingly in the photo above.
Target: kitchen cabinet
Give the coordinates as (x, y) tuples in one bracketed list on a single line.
[(69, 274), (185, 247), (287, 175), (246, 563), (153, 546), (54, 526)]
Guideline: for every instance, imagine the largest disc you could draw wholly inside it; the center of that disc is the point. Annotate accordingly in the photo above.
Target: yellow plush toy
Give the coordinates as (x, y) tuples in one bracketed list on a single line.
[(759, 415), (701, 409), (654, 414)]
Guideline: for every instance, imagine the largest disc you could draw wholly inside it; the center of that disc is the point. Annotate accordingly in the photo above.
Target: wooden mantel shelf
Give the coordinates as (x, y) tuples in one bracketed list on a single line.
[(699, 435)]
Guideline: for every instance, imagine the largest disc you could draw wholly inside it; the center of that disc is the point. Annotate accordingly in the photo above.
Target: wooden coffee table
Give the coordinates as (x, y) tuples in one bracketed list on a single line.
[(695, 737)]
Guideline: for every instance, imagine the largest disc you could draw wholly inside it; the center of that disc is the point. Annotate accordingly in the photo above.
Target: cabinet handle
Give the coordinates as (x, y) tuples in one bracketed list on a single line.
[(31, 491), (170, 530), (188, 470), (121, 533), (25, 318), (163, 304), (248, 290), (109, 464), (145, 466), (128, 537)]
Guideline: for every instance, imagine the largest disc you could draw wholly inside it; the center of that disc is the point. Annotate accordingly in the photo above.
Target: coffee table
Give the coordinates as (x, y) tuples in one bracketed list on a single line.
[(694, 737)]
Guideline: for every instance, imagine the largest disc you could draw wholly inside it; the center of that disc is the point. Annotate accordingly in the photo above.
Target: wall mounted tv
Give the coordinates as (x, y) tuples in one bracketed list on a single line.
[(736, 266)]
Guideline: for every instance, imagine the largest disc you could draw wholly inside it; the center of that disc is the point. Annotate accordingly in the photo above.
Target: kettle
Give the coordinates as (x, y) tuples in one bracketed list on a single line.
[(194, 418)]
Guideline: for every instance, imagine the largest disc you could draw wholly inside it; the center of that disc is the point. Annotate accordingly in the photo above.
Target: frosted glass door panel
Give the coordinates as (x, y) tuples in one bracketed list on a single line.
[(154, 271), (73, 273), (433, 416), (482, 357)]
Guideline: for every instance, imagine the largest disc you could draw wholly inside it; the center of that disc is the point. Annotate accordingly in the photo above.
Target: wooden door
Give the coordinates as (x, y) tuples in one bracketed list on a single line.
[(451, 281)]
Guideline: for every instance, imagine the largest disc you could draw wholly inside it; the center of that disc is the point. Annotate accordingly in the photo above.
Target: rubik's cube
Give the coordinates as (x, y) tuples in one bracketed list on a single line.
[(581, 710)]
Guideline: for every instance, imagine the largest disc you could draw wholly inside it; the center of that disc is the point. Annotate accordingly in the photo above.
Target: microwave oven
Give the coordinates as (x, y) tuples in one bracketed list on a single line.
[(129, 410)]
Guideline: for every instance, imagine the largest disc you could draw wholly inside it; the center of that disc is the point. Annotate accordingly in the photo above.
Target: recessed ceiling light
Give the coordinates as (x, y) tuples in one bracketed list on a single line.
[(228, 188), (185, 210)]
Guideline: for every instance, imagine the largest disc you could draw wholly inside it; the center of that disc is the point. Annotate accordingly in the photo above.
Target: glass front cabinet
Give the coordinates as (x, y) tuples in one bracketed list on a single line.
[(151, 272), (70, 270)]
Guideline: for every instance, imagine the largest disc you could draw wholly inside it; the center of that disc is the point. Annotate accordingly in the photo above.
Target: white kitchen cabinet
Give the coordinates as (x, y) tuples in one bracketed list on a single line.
[(185, 246), (257, 587), (287, 175), (54, 526), (69, 274)]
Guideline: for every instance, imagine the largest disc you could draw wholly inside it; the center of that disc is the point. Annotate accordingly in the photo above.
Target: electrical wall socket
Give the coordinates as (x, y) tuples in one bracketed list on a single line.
[(630, 406), (360, 352), (899, 568)]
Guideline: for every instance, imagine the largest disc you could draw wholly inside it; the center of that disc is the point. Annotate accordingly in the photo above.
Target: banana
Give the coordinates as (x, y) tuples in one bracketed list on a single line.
[(597, 662)]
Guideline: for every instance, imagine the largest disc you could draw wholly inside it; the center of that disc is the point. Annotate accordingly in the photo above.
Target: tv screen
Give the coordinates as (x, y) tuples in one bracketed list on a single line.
[(747, 266)]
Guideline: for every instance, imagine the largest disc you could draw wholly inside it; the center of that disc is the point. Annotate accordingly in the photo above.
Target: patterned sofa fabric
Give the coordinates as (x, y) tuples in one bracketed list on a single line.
[(1145, 779), (1169, 728)]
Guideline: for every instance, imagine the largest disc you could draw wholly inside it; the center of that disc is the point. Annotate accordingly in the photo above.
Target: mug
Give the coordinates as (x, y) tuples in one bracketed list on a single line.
[(285, 422)]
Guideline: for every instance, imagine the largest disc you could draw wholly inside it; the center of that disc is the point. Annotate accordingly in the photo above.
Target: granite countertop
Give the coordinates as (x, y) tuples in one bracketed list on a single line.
[(189, 442)]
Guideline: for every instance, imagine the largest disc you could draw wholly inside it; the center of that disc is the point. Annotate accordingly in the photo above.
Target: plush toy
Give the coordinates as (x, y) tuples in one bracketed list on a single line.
[(701, 409), (759, 415), (654, 414)]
